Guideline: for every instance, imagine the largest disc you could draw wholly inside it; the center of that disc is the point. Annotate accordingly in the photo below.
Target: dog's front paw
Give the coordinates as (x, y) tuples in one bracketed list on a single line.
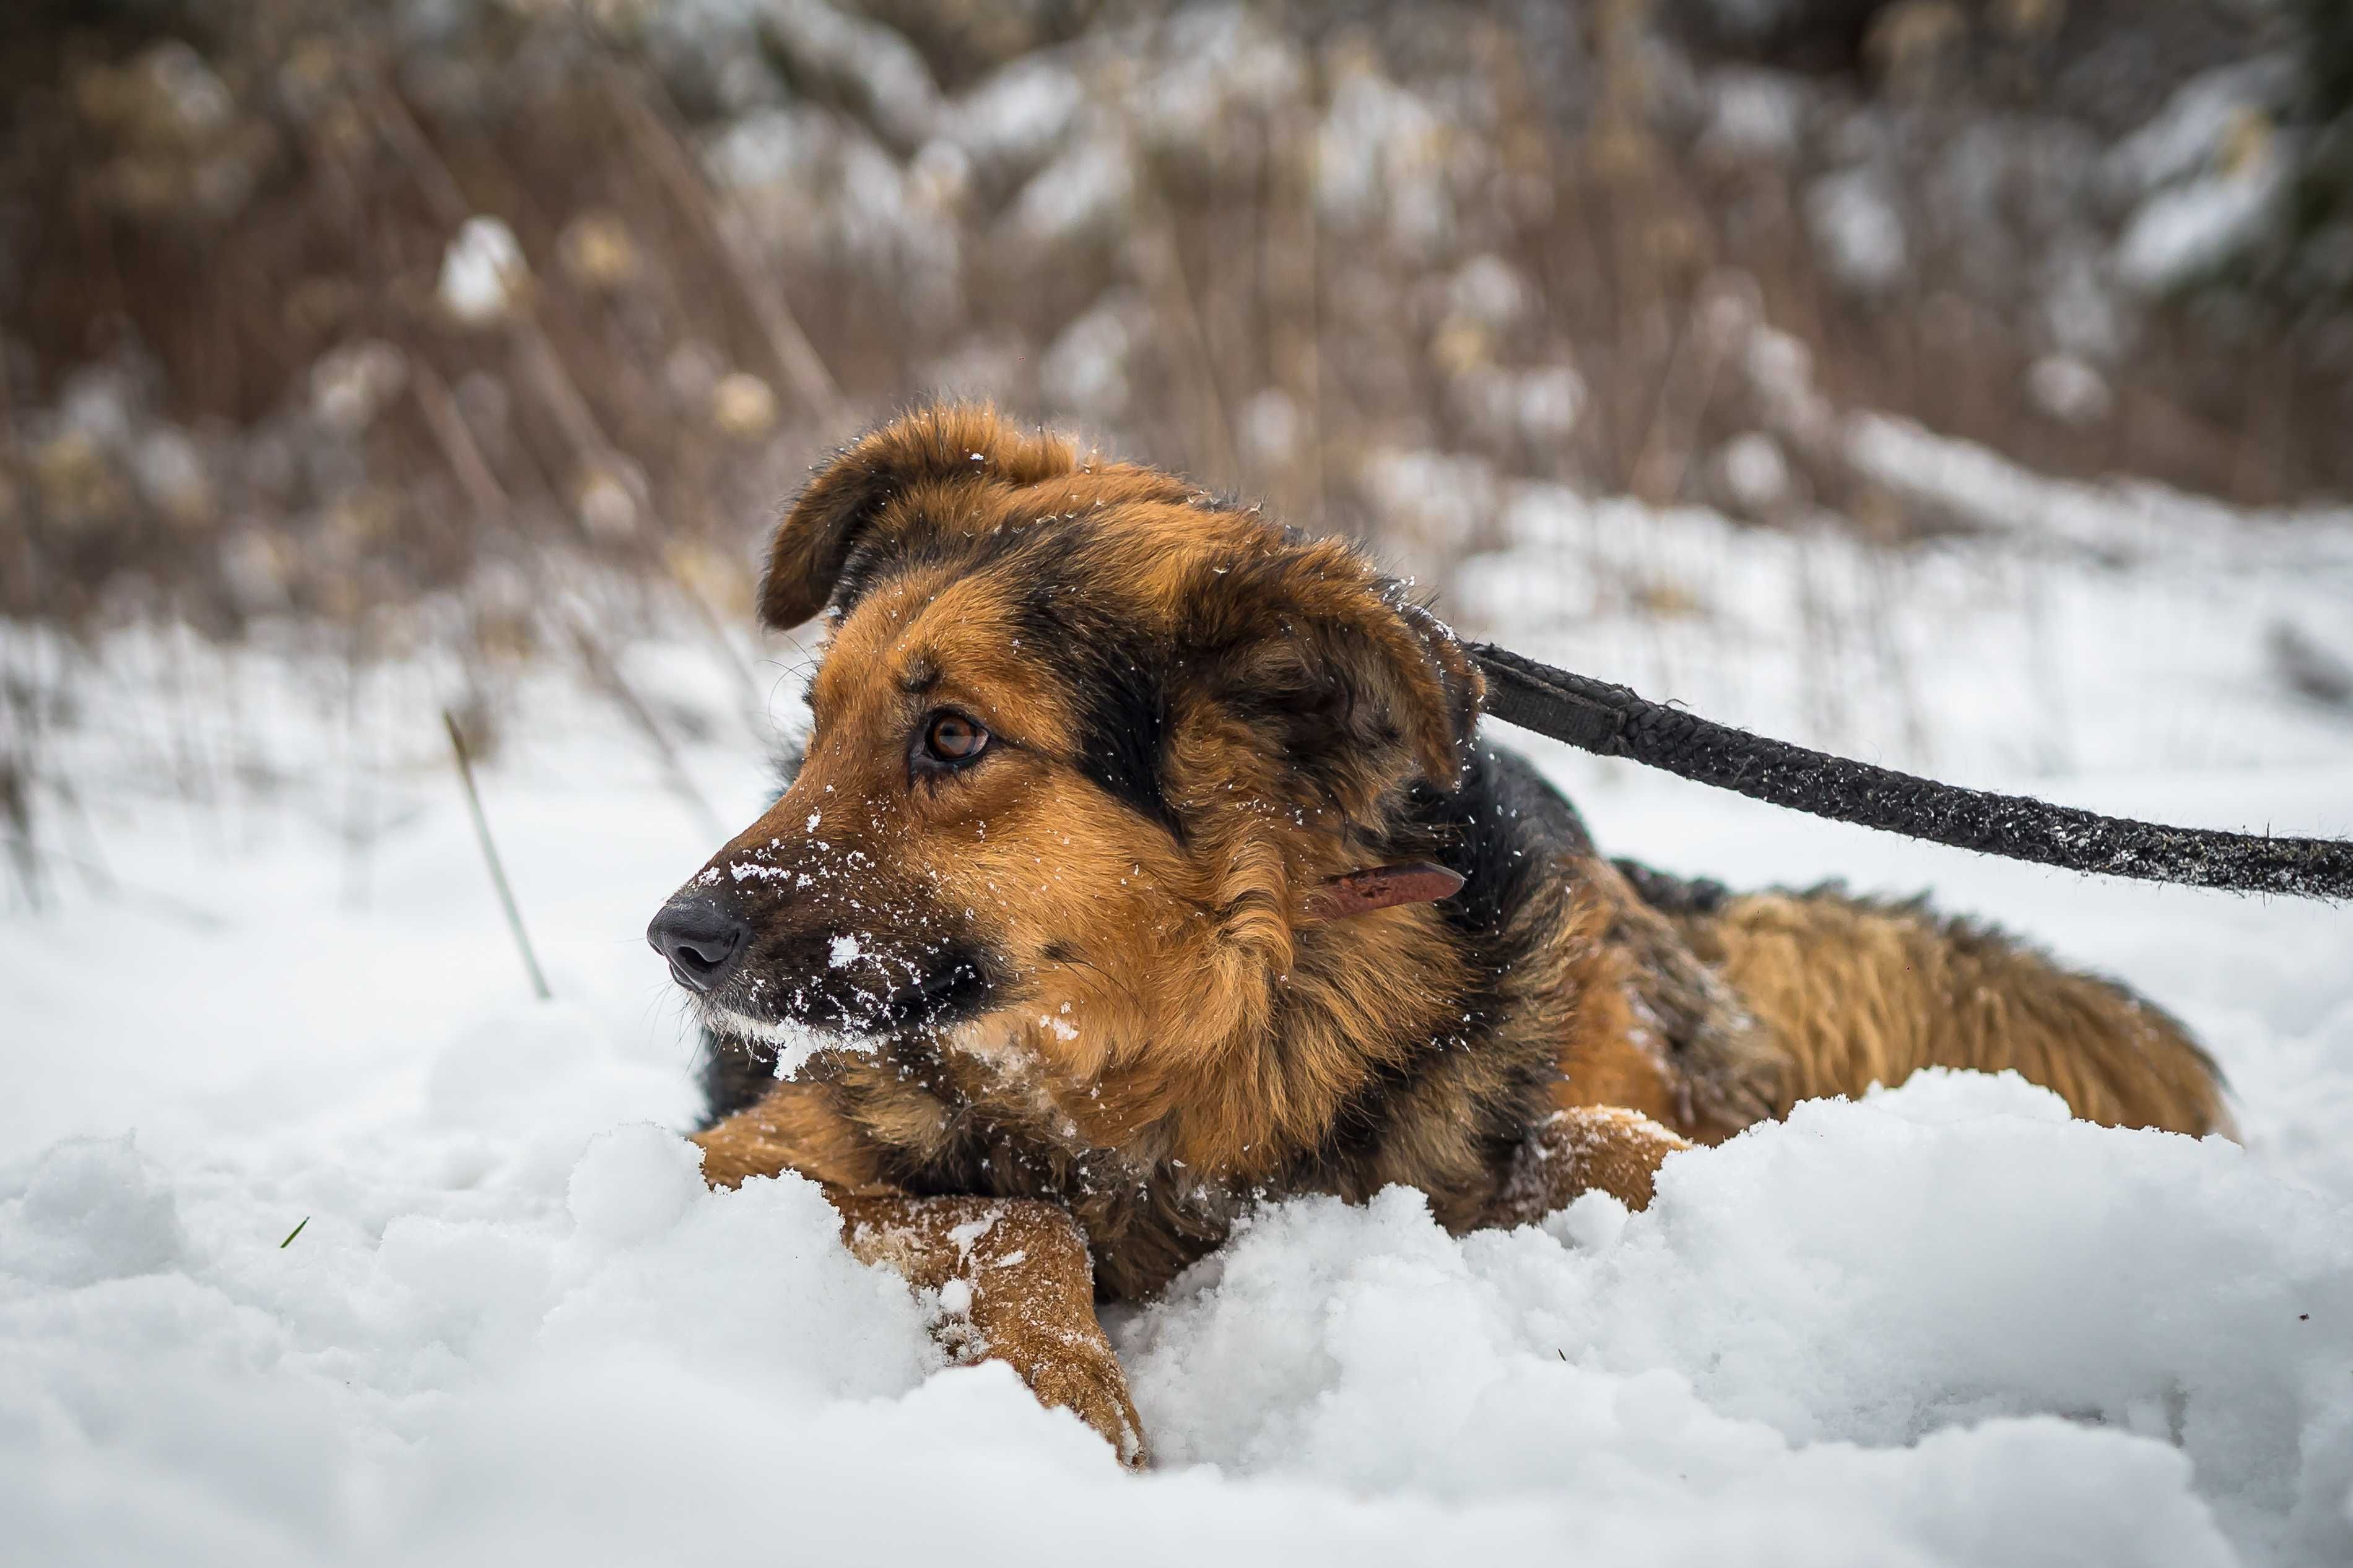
[(1585, 1149), (1014, 1284), (1085, 1379)]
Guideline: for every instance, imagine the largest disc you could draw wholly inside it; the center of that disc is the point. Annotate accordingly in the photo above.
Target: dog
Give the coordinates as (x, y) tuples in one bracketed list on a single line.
[(1145, 862)]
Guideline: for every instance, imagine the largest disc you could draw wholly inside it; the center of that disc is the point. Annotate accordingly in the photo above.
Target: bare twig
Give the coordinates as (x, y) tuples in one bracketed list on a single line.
[(459, 448), (1163, 263), (490, 856), (409, 139), (543, 368), (24, 859), (91, 861), (2310, 668), (1296, 296), (1160, 255), (708, 620), (657, 142), (1662, 459), (18, 741), (606, 673), (146, 901)]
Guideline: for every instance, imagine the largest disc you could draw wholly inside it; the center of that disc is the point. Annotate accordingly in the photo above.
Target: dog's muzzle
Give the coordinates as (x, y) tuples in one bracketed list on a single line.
[(745, 975)]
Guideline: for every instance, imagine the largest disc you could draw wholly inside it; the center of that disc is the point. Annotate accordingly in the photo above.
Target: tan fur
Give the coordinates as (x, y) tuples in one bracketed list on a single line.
[(795, 1127), (1721, 1067), (1585, 1149), (1857, 994), (1166, 1029), (1026, 1299)]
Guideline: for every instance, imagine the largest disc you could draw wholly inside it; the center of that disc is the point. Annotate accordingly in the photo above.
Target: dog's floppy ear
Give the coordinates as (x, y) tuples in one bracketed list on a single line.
[(946, 444), (1354, 676)]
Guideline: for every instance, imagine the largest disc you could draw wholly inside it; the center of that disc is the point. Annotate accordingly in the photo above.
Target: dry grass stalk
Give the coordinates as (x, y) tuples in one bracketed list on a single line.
[(490, 858)]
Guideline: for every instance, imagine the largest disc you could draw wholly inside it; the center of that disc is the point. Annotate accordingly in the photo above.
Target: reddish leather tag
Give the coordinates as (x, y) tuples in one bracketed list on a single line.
[(1382, 888)]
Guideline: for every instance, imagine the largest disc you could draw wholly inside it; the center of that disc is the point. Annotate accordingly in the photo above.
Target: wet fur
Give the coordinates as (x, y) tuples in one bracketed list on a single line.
[(1237, 712), (1086, 971), (1860, 990)]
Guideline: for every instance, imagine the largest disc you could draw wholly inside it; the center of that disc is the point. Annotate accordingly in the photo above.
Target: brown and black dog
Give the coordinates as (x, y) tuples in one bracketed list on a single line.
[(1146, 863)]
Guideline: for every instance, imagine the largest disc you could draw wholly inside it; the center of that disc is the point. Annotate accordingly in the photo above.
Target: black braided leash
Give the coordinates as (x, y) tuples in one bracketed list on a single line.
[(1616, 723)]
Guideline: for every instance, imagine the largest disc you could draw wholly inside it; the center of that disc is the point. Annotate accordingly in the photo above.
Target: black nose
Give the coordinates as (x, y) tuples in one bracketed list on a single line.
[(700, 937)]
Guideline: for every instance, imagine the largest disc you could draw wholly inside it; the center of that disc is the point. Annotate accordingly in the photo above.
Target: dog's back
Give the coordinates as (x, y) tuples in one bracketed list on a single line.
[(1852, 992)]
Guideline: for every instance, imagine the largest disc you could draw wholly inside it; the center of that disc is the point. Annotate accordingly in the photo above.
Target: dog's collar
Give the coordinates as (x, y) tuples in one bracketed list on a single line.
[(1381, 888)]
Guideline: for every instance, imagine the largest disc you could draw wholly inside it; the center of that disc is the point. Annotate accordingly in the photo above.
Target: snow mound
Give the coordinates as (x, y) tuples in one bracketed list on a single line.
[(91, 1209), (2108, 1332), (2019, 1338)]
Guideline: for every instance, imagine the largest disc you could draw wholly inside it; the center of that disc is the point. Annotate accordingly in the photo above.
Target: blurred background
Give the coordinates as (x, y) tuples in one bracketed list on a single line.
[(1963, 381), (1965, 385)]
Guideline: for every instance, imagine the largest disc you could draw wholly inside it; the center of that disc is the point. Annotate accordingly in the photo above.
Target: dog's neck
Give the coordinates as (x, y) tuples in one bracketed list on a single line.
[(1277, 1050)]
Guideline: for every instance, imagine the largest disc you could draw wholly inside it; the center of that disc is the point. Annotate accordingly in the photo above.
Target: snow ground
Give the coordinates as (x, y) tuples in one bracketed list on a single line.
[(1941, 1325)]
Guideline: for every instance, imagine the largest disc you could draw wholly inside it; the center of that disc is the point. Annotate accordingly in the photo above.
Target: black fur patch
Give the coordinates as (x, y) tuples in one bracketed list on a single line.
[(1111, 672), (1503, 829), (875, 561), (733, 1074), (1672, 895), (1122, 727)]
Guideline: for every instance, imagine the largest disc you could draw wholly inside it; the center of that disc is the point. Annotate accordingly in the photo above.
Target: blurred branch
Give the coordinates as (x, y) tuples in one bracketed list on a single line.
[(104, 882), (1670, 442), (661, 148), (490, 856), (433, 177), (457, 442), (608, 679), (1294, 258), (1160, 258), (2310, 669)]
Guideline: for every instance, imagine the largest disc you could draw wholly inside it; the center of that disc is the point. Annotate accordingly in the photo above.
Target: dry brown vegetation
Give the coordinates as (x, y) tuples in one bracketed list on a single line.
[(1373, 262), (232, 249)]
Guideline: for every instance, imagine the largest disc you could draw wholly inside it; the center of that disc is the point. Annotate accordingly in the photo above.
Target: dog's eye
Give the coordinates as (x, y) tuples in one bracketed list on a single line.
[(952, 740)]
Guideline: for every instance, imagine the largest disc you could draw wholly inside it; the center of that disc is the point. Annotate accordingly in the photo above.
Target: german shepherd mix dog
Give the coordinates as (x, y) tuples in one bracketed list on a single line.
[(1144, 863)]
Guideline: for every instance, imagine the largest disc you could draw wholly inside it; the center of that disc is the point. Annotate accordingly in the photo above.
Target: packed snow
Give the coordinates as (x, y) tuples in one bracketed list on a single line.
[(1943, 1324)]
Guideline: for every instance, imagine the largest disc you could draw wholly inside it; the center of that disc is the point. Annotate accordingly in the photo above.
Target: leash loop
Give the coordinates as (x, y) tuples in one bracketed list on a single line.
[(1585, 712)]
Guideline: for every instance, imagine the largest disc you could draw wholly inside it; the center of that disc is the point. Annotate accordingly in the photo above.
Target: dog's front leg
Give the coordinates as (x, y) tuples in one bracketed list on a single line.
[(1013, 1275), (1015, 1285), (1584, 1149)]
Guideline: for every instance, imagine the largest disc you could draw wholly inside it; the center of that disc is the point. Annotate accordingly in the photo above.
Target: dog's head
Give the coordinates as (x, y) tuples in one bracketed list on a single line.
[(1086, 744)]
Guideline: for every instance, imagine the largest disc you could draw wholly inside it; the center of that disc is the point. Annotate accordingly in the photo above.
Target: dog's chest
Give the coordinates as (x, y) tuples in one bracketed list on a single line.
[(1146, 1217), (1145, 1222)]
